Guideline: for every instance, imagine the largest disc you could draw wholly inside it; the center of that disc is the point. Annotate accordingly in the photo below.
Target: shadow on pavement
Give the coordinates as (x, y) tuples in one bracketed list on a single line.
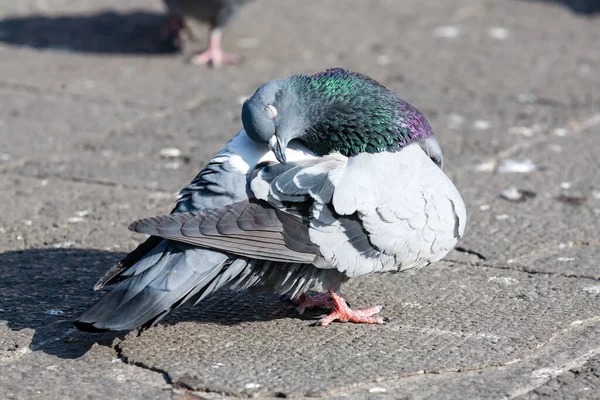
[(107, 32), (47, 289), (577, 6)]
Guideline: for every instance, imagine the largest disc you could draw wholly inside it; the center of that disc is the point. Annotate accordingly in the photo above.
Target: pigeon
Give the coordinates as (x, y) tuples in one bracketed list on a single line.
[(185, 14), (333, 176)]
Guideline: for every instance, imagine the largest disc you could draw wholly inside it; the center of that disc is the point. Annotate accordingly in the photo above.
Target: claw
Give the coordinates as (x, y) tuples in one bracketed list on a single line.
[(343, 313)]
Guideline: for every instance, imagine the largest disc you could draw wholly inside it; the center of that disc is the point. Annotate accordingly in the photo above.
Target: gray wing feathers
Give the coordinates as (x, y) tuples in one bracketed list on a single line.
[(263, 233), (154, 286)]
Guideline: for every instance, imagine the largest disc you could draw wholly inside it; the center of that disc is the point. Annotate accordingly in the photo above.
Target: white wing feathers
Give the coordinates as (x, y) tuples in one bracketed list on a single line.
[(372, 212)]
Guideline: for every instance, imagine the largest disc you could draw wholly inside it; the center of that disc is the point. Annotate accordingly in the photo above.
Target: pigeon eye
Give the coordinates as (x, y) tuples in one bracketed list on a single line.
[(270, 111)]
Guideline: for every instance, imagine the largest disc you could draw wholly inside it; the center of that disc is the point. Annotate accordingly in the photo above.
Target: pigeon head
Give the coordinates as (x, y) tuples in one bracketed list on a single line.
[(332, 111)]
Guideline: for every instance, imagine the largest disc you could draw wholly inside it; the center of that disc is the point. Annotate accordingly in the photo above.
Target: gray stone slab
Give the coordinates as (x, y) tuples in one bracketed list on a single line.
[(46, 126), (55, 213), (99, 374), (513, 232), (42, 356), (496, 79), (443, 318), (131, 155)]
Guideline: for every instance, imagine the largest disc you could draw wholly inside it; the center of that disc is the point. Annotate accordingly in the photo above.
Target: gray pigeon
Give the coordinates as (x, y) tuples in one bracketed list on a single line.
[(333, 177), (184, 15)]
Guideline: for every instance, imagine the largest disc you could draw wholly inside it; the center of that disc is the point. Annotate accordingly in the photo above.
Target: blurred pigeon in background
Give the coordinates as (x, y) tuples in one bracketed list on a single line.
[(333, 177), (184, 15)]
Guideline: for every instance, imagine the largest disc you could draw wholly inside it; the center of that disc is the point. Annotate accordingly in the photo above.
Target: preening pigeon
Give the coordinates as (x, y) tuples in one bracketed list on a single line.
[(217, 13), (333, 177)]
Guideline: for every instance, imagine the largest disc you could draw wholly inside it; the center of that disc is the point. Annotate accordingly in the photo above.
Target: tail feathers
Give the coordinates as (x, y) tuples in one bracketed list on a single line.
[(168, 276)]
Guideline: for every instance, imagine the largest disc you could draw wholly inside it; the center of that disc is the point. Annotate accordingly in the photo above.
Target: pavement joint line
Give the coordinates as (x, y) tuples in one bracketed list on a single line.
[(546, 251), (517, 268), (578, 361), (88, 181), (553, 373), (24, 88)]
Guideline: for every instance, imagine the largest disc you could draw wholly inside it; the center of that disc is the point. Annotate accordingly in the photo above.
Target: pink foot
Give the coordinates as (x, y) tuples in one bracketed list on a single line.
[(215, 57), (322, 300), (213, 54), (343, 313)]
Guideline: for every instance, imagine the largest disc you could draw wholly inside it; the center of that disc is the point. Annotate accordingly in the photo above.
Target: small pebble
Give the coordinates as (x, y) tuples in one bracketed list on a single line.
[(63, 245), (565, 259), (502, 217), (516, 195), (565, 185), (482, 124), (522, 167), (377, 390), (170, 152), (74, 220), (449, 32), (484, 207), (560, 132), (455, 120), (252, 385), (54, 312), (488, 166), (592, 289), (498, 32)]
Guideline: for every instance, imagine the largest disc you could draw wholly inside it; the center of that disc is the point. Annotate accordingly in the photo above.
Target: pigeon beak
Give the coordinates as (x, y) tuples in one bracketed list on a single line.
[(278, 147)]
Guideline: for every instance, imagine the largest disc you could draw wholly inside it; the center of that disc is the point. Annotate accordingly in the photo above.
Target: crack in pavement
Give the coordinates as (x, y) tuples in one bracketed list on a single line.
[(125, 360), (469, 252), (517, 268), (577, 362), (543, 375), (91, 181)]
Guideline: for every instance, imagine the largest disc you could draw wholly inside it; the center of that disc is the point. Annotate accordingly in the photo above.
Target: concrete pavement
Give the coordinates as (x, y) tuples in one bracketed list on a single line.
[(511, 89)]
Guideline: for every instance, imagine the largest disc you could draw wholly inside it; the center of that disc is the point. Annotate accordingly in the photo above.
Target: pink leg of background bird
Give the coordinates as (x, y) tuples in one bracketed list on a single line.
[(343, 313), (214, 54)]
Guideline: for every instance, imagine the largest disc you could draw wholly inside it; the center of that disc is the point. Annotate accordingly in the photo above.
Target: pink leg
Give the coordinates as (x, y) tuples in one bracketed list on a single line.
[(321, 300), (343, 313), (213, 54)]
